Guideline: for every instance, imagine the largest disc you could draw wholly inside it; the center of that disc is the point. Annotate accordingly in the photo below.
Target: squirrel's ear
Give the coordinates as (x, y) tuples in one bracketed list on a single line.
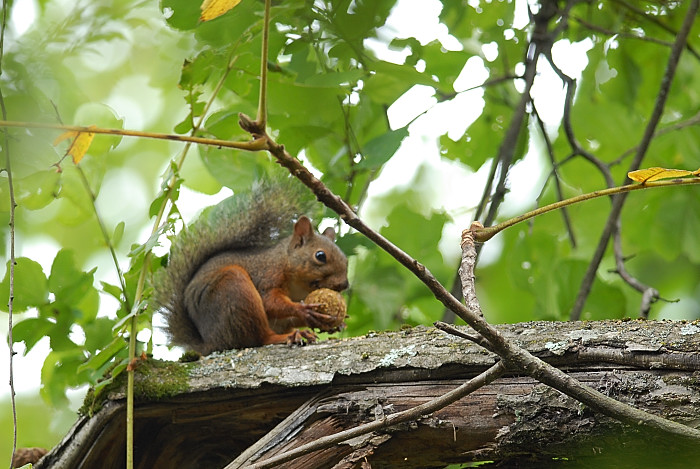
[(329, 233), (302, 231)]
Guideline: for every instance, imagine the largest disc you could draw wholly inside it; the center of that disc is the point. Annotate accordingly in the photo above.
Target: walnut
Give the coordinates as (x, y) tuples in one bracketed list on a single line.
[(331, 303)]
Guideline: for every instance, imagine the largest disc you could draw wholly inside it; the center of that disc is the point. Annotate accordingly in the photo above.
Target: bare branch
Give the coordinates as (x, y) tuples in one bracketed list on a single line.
[(555, 176), (414, 413), (649, 294)]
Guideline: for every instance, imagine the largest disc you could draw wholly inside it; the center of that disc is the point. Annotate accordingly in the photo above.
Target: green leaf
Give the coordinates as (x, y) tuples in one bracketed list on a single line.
[(183, 14), (118, 233), (675, 231), (98, 333), (335, 79), (297, 137), (30, 286), (391, 81), (69, 284), (60, 371), (112, 290), (233, 169), (38, 190), (97, 361), (30, 331), (380, 149), (100, 115)]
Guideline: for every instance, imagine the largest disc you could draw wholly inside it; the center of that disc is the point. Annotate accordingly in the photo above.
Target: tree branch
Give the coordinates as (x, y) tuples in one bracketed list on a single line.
[(555, 176), (485, 233), (414, 413), (649, 294), (254, 145), (514, 356)]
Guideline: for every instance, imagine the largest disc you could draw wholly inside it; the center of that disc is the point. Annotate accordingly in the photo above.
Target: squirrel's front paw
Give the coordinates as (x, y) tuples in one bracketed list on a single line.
[(317, 320), (298, 337)]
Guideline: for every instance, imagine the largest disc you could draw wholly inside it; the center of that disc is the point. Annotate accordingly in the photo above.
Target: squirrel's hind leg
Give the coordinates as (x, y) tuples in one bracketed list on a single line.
[(228, 312)]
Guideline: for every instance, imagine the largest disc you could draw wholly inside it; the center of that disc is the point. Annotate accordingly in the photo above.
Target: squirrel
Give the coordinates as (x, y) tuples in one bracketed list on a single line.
[(234, 280)]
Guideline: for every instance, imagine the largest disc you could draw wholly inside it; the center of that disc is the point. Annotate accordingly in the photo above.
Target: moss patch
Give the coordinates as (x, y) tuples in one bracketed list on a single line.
[(153, 380)]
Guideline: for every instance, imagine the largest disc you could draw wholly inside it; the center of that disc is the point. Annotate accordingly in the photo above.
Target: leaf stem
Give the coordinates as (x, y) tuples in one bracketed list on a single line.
[(13, 205), (105, 235), (484, 234)]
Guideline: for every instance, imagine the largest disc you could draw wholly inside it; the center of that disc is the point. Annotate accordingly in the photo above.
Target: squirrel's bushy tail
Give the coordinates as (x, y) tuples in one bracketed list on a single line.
[(243, 221)]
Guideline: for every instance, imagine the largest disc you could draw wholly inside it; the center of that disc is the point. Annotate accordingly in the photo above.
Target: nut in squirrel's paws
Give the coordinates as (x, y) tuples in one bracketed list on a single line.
[(329, 302)]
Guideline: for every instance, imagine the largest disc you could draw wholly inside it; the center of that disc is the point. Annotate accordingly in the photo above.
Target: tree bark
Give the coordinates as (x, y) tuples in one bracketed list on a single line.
[(205, 414)]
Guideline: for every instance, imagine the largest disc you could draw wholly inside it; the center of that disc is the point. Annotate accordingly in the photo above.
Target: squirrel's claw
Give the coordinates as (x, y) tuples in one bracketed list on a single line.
[(298, 337), (317, 320)]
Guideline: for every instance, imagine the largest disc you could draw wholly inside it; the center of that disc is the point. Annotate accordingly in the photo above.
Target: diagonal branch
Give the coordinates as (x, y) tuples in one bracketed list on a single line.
[(414, 413), (513, 356), (619, 200)]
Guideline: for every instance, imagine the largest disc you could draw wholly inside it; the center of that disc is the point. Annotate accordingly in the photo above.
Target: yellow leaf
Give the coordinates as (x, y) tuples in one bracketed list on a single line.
[(80, 144), (214, 8), (654, 174), (64, 136)]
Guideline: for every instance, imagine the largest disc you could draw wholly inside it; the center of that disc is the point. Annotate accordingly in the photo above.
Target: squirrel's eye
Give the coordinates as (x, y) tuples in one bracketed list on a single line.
[(321, 256)]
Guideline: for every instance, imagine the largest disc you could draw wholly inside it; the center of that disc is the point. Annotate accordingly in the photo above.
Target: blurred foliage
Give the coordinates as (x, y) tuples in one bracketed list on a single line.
[(336, 68)]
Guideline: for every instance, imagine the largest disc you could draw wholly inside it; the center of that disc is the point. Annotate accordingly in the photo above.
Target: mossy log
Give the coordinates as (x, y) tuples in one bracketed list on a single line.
[(206, 413)]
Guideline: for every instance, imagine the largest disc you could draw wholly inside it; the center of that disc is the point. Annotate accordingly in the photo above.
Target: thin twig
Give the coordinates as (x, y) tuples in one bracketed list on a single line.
[(11, 190), (450, 329), (621, 34), (695, 120), (576, 147), (555, 176), (262, 102), (506, 151), (649, 131), (659, 23), (484, 234), (105, 235), (253, 145), (414, 413), (649, 294)]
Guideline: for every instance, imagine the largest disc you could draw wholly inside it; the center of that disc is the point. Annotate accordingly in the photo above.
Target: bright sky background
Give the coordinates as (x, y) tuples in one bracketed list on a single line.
[(458, 186)]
